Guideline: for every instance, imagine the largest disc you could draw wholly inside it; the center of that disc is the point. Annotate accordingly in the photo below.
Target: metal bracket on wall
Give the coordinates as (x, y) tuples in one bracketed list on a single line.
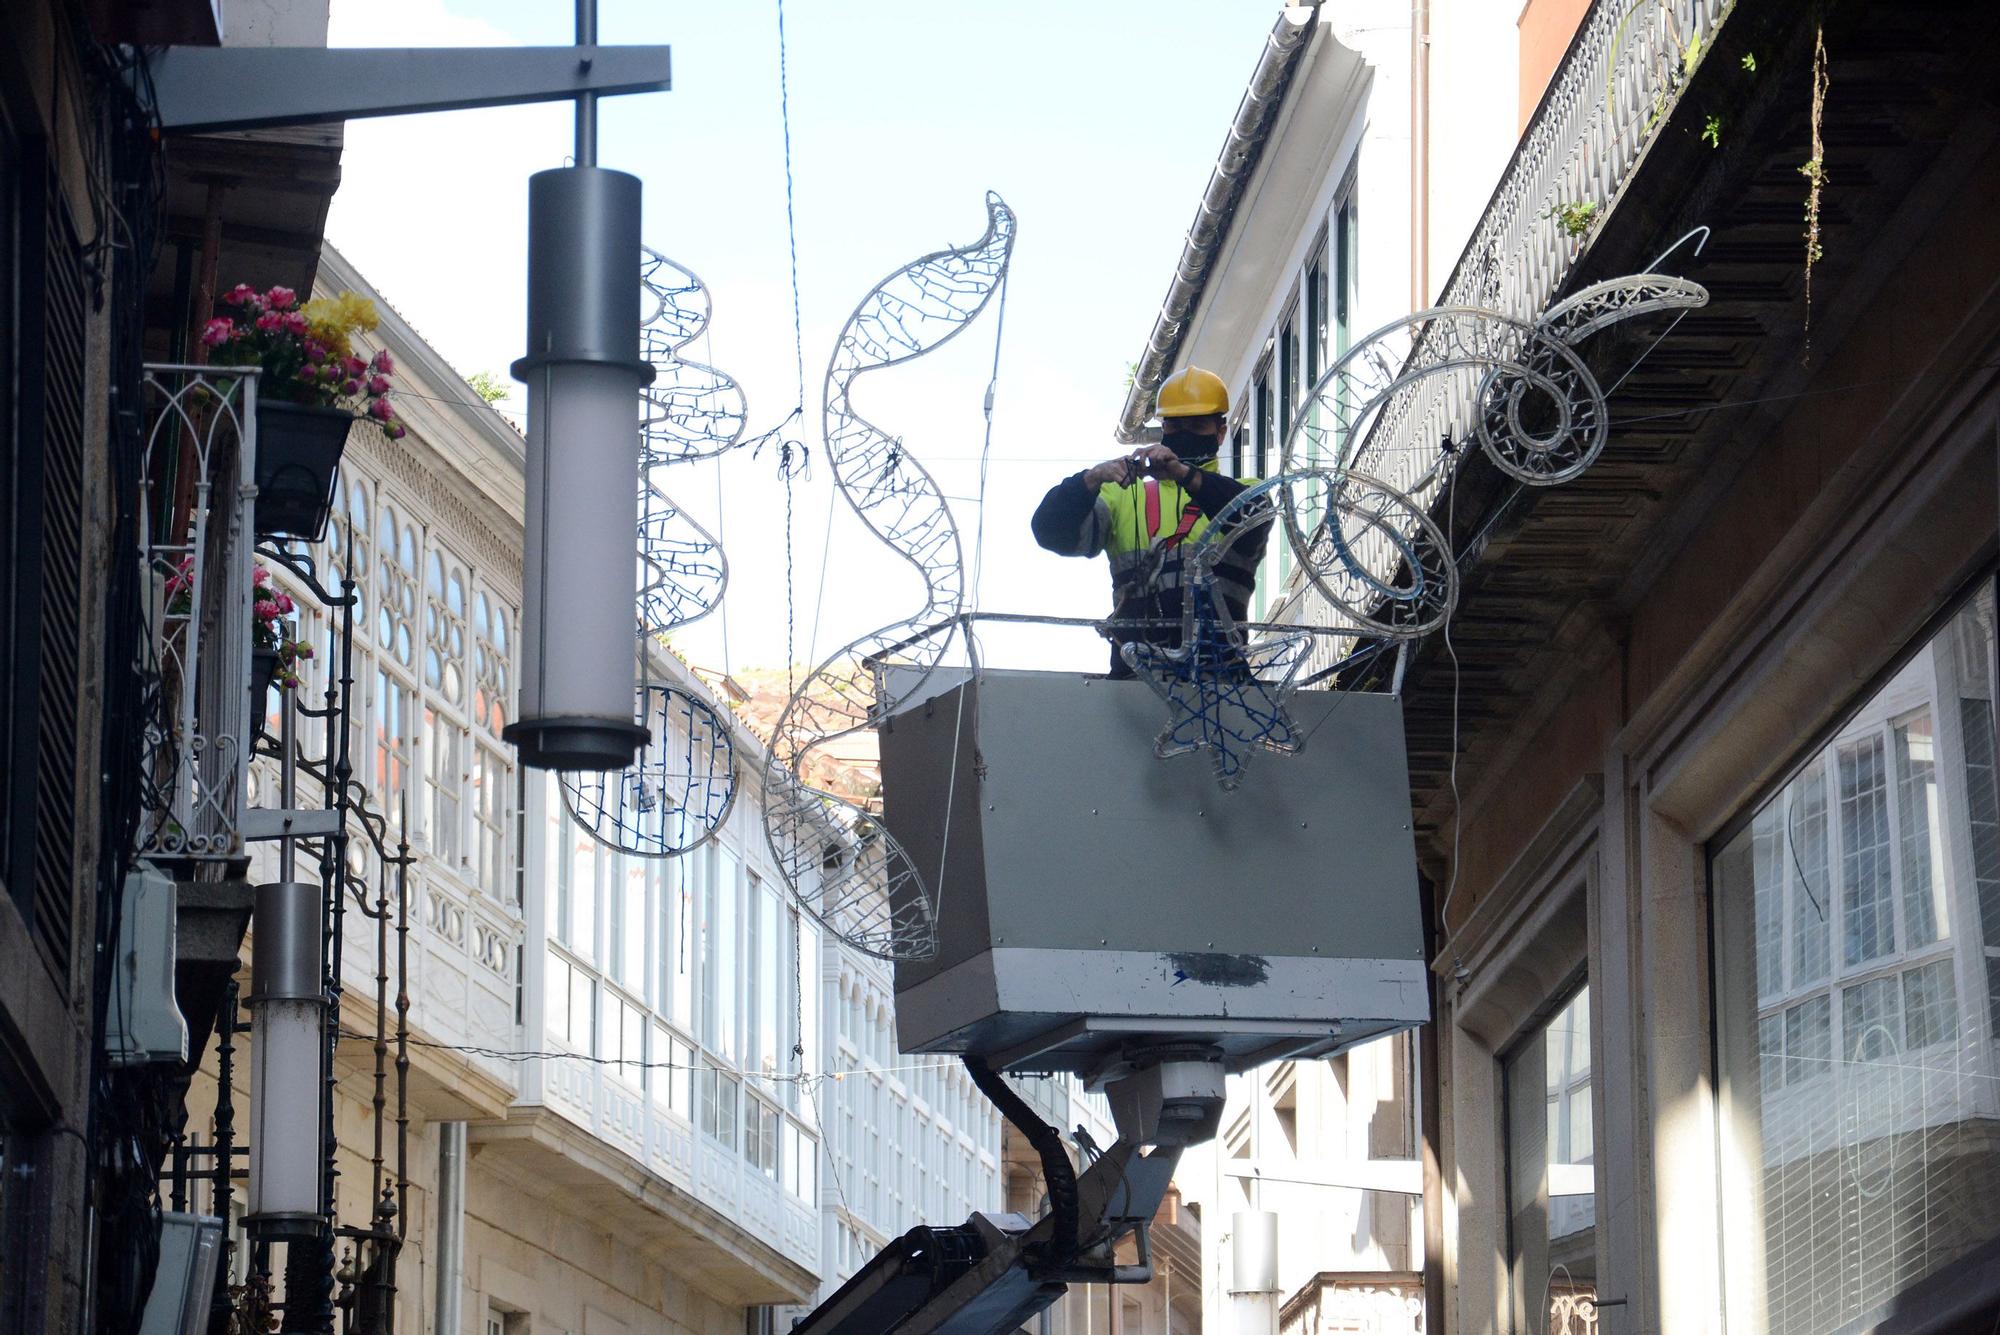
[(206, 89), (299, 823)]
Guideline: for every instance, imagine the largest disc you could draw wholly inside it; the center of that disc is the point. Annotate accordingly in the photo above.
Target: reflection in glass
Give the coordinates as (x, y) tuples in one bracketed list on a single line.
[(1551, 1185), (1859, 1086)]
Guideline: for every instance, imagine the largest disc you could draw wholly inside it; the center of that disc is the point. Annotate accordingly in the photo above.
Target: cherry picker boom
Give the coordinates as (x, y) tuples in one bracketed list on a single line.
[(1112, 916)]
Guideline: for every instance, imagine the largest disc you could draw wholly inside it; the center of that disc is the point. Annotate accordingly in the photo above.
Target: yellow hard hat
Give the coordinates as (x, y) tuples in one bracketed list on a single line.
[(1193, 392)]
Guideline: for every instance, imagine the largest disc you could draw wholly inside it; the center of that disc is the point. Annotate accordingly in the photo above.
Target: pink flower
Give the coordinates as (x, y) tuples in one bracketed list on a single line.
[(260, 576), (241, 295), (264, 610), (270, 321), (356, 367), (380, 410), (216, 332), (329, 372), (302, 650), (350, 386), (295, 323), (378, 385), (383, 363), (284, 604), (397, 431), (281, 298), (315, 351)]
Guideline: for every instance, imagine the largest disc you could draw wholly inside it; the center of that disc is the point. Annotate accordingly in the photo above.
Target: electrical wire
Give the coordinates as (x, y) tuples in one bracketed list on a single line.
[(741, 1073)]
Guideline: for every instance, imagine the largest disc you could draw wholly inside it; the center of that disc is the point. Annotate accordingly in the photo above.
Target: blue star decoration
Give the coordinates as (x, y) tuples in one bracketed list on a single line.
[(1222, 696)]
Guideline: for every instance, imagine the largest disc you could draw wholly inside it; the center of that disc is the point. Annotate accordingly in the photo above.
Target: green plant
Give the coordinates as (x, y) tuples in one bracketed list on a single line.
[(1814, 171), (488, 386), (1711, 132), (1691, 55), (1750, 61), (1574, 217)]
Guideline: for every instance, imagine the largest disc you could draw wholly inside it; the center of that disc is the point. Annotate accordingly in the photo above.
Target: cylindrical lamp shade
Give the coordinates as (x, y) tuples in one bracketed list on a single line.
[(1253, 1251), (287, 1047), (584, 374), (286, 1158)]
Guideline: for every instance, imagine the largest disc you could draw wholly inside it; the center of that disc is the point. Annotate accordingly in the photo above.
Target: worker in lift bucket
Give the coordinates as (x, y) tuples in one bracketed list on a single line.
[(1139, 508)]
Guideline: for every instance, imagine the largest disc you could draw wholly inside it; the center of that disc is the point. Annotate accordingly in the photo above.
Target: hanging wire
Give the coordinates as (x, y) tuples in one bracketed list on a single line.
[(791, 215)]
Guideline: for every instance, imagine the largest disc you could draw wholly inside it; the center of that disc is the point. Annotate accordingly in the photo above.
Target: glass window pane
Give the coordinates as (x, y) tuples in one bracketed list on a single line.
[(1924, 919), (1861, 1149), (1288, 381), (723, 960), (1808, 1039), (1871, 1020), (1316, 319), (556, 991), (1864, 851), (1930, 1005), (1551, 1188), (580, 874), (1768, 868), (629, 951), (1805, 867), (1264, 445), (772, 995)]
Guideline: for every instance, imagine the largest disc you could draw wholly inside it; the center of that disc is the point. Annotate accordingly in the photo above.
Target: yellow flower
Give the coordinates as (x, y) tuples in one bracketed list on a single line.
[(333, 320)]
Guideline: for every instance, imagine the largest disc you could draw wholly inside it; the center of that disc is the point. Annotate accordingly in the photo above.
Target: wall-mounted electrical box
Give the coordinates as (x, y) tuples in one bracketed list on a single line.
[(1095, 898), (145, 1023)]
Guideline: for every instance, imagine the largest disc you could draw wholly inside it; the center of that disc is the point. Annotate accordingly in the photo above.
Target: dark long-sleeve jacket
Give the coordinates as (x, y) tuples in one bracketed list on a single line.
[(1140, 527)]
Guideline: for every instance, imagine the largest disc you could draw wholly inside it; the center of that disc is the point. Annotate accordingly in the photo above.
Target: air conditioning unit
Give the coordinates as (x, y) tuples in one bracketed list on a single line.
[(145, 1022)]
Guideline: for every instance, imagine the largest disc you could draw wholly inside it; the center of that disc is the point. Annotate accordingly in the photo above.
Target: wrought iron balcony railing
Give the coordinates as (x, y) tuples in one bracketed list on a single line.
[(1613, 91), (197, 532), (1616, 87)]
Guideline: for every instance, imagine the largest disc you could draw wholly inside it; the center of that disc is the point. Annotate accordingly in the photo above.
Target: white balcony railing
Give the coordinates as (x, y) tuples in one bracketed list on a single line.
[(197, 532)]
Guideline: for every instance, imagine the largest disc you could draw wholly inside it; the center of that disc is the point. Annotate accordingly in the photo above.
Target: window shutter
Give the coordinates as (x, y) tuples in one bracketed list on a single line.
[(47, 544)]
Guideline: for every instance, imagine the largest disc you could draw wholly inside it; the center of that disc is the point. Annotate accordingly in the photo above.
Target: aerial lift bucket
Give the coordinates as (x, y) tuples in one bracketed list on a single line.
[(1095, 901)]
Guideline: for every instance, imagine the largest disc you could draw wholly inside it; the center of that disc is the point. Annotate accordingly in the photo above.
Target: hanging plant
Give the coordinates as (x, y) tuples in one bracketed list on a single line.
[(1815, 170)]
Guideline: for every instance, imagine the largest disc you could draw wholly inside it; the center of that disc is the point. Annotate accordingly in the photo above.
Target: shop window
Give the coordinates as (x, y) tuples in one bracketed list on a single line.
[(1858, 949), (1551, 1191)]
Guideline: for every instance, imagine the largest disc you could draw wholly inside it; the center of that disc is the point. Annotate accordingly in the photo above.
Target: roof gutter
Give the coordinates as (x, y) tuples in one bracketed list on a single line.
[(1241, 151)]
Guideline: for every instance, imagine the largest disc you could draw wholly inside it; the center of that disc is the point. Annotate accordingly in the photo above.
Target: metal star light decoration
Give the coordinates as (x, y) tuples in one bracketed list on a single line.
[(1221, 696)]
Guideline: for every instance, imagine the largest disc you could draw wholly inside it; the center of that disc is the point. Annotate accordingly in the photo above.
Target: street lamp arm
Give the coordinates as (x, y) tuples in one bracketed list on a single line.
[(206, 89)]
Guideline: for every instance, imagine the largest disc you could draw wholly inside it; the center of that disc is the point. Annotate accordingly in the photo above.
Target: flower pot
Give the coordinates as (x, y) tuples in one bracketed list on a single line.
[(298, 455), (263, 671)]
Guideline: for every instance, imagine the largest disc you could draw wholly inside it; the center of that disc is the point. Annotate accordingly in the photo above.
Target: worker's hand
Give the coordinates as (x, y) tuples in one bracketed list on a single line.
[(1159, 461), (1117, 470)]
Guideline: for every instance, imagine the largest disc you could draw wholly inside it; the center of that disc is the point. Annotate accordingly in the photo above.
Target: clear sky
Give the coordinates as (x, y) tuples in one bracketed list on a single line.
[(1098, 123)]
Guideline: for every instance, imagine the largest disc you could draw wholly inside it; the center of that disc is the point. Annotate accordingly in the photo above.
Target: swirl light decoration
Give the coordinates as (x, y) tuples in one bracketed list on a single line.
[(1366, 549), (841, 864), (680, 787)]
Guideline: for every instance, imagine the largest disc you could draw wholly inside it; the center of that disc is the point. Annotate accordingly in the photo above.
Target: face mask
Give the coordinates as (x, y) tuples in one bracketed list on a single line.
[(1190, 447)]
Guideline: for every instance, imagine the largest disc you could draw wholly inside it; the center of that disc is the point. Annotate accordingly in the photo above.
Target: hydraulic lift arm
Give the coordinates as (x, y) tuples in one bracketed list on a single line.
[(990, 1274)]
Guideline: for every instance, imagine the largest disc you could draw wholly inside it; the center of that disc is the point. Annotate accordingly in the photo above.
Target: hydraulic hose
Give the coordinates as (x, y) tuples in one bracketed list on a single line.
[(1056, 1169)]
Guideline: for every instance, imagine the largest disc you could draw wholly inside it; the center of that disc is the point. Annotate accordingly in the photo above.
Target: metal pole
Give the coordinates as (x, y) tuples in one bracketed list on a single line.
[(288, 782), (451, 1225), (586, 103)]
